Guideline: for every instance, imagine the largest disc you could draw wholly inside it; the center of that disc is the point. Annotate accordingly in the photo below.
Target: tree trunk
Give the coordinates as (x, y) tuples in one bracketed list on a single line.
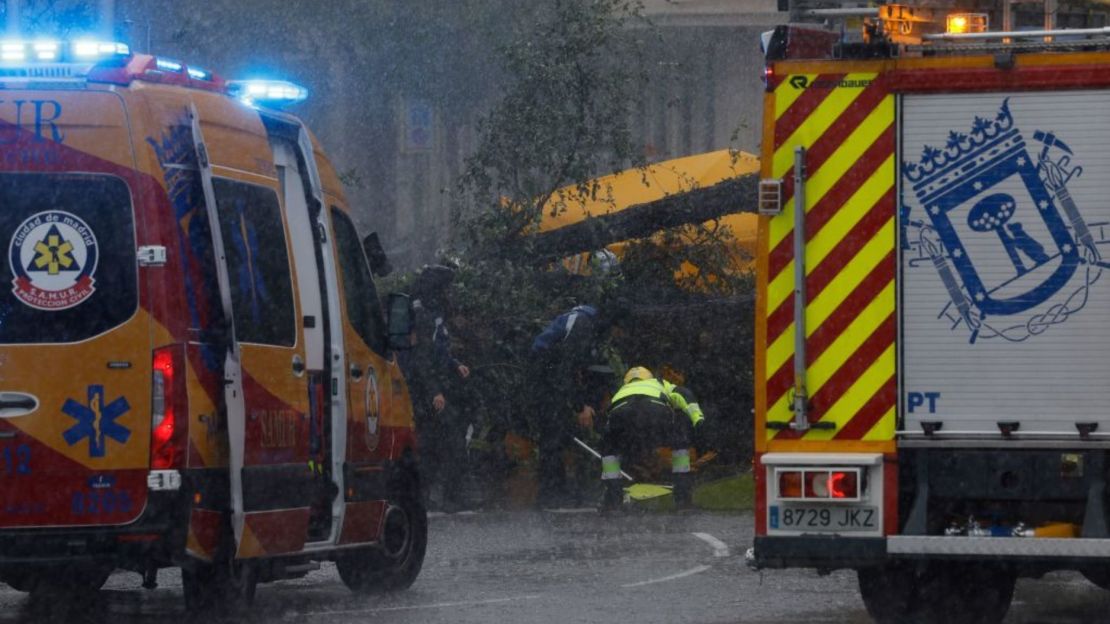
[(642, 220)]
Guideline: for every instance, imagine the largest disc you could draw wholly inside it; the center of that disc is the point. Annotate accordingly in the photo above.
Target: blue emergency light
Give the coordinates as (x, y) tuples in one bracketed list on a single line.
[(91, 50), (112, 62), (166, 65), (13, 51), (197, 73), (267, 92)]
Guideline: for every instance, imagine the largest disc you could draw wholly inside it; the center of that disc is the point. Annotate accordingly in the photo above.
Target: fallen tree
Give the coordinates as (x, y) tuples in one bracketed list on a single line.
[(699, 205)]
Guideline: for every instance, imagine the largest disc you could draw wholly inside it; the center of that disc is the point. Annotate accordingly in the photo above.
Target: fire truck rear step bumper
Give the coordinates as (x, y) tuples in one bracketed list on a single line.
[(817, 551), (828, 552), (1024, 547)]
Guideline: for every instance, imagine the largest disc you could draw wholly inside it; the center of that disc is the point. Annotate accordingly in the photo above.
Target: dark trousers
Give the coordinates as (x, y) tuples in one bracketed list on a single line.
[(636, 426), (553, 383), (441, 440), (556, 435)]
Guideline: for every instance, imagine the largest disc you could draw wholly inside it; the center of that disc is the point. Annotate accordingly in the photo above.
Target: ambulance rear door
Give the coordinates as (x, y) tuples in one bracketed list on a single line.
[(75, 350), (272, 484)]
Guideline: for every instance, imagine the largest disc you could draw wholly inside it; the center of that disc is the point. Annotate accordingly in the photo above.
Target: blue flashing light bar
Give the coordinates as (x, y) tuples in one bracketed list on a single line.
[(92, 50), (13, 51), (43, 50), (46, 50), (197, 73), (165, 64), (267, 92)]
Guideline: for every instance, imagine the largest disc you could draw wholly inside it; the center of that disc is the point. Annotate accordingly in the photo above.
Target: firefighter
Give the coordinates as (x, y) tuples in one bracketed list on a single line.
[(572, 374), (433, 373), (646, 413)]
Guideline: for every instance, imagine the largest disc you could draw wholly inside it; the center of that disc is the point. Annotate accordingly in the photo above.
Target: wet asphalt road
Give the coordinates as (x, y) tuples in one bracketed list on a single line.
[(561, 568)]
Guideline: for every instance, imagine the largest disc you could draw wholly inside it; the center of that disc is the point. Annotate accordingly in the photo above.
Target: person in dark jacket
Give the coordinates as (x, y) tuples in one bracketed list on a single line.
[(571, 379), (433, 373)]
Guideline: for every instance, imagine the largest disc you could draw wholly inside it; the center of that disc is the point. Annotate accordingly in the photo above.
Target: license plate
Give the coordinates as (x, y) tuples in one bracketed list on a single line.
[(823, 518)]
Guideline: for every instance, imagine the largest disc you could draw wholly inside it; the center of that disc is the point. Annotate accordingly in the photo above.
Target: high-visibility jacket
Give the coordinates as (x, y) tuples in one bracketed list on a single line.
[(664, 391)]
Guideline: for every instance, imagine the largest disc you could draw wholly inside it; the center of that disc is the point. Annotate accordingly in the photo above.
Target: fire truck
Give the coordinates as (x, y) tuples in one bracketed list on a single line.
[(932, 320), (195, 368)]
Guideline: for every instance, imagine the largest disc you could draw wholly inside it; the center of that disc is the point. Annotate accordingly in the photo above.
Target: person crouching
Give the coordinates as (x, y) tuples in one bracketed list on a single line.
[(646, 413)]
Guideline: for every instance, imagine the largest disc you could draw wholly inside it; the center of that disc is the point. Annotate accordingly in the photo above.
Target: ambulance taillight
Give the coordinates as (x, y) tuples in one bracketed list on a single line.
[(169, 409)]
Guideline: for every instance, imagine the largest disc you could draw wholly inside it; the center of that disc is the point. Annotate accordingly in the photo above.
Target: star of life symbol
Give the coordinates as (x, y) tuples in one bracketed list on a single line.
[(53, 256), (96, 421), (1004, 235), (53, 253)]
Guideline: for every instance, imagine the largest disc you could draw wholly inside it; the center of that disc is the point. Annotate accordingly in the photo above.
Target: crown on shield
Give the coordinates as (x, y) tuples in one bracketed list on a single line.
[(989, 140)]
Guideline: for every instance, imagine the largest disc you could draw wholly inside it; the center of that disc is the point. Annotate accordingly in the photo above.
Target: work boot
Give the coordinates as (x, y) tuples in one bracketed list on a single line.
[(683, 492), (614, 496)]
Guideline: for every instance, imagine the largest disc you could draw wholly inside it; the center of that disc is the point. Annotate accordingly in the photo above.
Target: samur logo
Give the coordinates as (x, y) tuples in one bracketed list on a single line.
[(53, 258)]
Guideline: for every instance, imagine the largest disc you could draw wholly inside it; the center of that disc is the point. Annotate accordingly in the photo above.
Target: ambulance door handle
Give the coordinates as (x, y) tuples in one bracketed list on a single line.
[(298, 365), (20, 403), (356, 372), (17, 404)]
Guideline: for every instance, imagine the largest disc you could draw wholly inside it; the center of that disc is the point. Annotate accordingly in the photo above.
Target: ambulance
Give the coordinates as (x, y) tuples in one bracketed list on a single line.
[(195, 368), (932, 320)]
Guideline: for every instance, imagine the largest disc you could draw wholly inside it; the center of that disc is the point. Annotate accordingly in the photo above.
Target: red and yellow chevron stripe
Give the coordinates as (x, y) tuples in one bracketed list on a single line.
[(846, 123)]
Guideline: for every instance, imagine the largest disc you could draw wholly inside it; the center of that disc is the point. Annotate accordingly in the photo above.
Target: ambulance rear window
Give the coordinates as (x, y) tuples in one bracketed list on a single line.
[(68, 271), (257, 263)]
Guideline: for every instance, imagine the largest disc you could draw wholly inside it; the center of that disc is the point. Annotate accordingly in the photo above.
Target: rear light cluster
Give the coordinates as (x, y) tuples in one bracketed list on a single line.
[(770, 197), (826, 483), (169, 409)]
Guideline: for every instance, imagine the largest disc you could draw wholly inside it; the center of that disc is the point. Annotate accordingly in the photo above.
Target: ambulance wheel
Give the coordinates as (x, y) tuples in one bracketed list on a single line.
[(937, 593), (396, 562)]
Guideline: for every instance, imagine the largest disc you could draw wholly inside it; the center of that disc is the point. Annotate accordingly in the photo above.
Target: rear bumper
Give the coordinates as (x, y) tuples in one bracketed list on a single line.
[(825, 552), (1031, 550), (157, 535), (831, 552)]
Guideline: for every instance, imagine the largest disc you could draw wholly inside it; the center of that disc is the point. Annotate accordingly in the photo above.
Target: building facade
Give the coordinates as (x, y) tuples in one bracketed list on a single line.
[(398, 113)]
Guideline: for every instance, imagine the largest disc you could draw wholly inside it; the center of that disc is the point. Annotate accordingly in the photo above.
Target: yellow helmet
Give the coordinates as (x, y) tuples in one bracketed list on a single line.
[(637, 373)]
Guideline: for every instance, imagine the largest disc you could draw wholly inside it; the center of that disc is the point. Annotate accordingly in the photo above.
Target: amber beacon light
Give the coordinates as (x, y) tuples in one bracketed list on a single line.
[(960, 23)]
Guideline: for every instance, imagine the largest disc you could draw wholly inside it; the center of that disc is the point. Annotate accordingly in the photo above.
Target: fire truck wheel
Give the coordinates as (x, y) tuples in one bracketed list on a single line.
[(20, 582), (1098, 576), (395, 563), (934, 593)]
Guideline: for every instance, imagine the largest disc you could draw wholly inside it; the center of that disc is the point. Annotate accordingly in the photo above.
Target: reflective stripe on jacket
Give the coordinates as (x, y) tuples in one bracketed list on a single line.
[(664, 391)]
